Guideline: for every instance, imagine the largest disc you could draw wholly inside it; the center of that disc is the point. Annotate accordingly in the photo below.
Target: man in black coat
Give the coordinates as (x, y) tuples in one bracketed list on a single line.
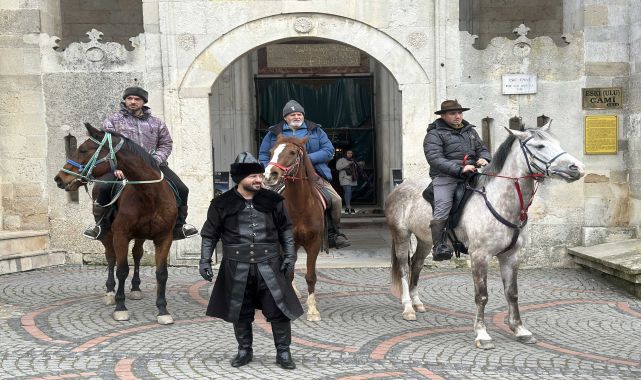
[(254, 227), (453, 149)]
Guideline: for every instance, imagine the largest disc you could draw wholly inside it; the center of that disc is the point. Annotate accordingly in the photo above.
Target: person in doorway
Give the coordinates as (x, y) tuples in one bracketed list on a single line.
[(348, 175), (319, 150), (453, 149), (135, 121), (254, 226)]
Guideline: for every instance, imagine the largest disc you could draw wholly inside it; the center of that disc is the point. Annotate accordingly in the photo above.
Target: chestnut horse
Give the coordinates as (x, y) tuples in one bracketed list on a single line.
[(146, 210), (290, 166)]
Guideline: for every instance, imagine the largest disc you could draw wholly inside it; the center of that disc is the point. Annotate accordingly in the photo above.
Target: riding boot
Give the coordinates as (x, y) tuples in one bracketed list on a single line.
[(182, 229), (97, 231), (243, 332), (282, 332), (335, 238), (440, 250)]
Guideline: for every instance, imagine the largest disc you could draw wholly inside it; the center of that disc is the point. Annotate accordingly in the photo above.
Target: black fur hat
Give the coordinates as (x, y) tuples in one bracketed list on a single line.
[(245, 165)]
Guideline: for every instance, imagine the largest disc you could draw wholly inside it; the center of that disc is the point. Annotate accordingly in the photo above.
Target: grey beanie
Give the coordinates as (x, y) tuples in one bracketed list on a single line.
[(136, 91), (293, 106)]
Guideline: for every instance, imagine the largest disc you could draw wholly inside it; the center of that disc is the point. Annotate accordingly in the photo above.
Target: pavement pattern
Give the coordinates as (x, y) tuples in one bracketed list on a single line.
[(53, 325)]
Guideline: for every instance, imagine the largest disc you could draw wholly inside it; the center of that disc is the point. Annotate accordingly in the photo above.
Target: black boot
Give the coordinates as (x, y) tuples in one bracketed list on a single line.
[(440, 250), (99, 230), (282, 332), (243, 332), (182, 229)]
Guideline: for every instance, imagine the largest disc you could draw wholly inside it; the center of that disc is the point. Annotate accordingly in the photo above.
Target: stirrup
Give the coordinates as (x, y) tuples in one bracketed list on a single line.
[(89, 232)]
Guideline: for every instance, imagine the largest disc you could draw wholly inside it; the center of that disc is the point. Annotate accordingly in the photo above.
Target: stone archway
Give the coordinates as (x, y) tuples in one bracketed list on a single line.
[(194, 88)]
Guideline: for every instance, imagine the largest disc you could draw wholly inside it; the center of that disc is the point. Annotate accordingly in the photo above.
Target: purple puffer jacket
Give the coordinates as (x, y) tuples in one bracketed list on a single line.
[(147, 131)]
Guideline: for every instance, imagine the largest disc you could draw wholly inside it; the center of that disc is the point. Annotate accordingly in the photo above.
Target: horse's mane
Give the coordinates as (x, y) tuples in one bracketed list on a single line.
[(138, 151), (309, 168), (500, 156)]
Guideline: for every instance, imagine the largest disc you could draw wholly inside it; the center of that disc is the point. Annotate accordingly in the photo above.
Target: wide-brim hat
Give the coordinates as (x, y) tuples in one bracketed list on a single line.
[(450, 105), (245, 165)]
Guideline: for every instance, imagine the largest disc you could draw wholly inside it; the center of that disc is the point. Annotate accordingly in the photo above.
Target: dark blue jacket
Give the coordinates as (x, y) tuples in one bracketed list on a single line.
[(319, 149)]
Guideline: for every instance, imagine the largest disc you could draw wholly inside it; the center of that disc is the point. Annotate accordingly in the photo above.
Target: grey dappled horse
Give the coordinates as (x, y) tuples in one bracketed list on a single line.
[(523, 161)]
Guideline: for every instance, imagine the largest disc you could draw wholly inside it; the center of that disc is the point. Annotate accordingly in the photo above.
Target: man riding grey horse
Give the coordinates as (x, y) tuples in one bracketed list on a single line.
[(453, 149)]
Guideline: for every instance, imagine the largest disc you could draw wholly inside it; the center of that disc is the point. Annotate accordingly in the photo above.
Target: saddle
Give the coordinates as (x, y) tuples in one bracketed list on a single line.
[(462, 194)]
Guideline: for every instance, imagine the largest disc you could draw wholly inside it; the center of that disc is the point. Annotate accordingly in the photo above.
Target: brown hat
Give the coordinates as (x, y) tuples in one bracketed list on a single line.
[(450, 105)]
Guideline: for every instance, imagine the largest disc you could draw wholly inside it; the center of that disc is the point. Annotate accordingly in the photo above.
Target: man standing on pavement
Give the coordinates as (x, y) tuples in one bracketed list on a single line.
[(135, 122), (254, 227), (453, 149), (319, 150)]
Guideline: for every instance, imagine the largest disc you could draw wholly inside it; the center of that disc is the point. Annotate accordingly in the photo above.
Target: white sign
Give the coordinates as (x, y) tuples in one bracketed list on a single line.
[(519, 84)]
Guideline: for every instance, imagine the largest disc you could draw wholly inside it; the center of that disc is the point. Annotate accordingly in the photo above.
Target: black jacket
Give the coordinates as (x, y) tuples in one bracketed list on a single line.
[(226, 222), (446, 147)]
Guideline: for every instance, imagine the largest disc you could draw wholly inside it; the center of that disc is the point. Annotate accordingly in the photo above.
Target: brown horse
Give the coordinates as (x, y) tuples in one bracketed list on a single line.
[(146, 210), (291, 166)]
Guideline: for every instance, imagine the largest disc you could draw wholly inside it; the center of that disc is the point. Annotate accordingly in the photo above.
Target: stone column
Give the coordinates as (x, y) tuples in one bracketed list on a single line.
[(632, 131), (23, 132), (415, 118)]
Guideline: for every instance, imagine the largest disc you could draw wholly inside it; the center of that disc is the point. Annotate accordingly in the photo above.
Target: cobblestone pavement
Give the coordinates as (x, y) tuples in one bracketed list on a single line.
[(54, 326)]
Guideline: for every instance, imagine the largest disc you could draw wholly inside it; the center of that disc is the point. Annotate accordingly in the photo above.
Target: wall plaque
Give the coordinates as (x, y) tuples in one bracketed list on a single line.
[(514, 84), (601, 133), (602, 97)]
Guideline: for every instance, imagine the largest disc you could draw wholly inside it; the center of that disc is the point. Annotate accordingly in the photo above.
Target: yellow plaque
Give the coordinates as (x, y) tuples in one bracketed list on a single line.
[(601, 134)]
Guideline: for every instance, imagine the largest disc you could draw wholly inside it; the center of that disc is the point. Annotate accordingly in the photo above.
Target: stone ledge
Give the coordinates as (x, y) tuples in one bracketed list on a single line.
[(20, 262), (620, 261), (17, 242)]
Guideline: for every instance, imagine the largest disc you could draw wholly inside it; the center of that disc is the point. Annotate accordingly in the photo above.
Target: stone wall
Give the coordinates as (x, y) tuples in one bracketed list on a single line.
[(23, 149), (633, 106), (119, 20)]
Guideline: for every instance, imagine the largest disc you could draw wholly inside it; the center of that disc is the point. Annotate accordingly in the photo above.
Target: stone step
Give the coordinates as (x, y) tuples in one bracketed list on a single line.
[(14, 242), (619, 262), (24, 261)]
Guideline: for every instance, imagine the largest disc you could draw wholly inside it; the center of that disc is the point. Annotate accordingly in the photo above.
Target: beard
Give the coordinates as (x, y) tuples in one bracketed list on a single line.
[(251, 188), (296, 123)]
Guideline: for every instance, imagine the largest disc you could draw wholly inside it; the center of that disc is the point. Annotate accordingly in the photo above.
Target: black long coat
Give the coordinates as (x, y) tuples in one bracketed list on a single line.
[(223, 223)]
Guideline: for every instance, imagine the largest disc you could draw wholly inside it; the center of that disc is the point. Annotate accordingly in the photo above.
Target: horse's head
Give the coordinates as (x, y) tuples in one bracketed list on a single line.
[(86, 162), (286, 161), (544, 155)]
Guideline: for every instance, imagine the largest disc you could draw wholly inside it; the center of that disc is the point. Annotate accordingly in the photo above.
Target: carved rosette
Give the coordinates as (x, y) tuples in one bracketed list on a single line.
[(522, 45), (417, 40), (186, 41), (303, 25)]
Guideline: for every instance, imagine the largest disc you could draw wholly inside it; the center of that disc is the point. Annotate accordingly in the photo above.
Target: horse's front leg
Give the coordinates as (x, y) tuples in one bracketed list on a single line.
[(137, 252), (313, 315), (480, 261), (418, 260), (162, 252), (110, 256), (121, 248), (509, 271)]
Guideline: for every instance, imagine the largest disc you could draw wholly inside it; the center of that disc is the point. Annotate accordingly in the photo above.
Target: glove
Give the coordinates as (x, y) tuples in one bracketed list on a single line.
[(206, 251), (289, 254)]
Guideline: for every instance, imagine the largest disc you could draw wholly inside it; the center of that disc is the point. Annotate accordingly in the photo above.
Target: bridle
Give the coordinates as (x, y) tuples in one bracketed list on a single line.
[(85, 174), (290, 172), (537, 173)]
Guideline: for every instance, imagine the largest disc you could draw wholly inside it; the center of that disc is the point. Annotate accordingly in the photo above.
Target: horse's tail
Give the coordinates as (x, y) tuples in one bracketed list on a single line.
[(395, 273)]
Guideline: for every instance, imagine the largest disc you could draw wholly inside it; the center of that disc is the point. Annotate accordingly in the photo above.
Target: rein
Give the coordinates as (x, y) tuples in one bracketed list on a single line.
[(85, 174), (292, 170), (539, 174)]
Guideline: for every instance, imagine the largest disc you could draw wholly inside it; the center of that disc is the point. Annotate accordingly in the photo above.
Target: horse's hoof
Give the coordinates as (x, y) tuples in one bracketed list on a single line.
[(313, 317), (122, 315), (110, 298), (526, 339), (135, 295), (165, 319), (484, 344), (409, 316), (420, 308)]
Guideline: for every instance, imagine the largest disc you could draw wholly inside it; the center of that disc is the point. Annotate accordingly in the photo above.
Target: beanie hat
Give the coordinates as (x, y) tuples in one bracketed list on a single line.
[(293, 106), (136, 91), (245, 165)]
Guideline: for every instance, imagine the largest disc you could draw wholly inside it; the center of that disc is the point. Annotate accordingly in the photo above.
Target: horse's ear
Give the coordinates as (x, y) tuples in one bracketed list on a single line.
[(93, 132), (546, 127), (521, 135)]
